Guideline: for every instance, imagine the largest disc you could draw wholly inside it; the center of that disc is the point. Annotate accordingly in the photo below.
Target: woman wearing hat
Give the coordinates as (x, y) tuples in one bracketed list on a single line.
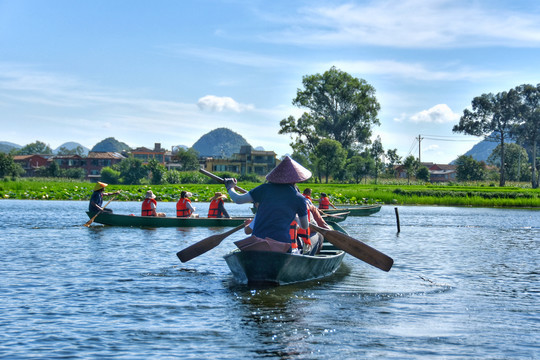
[(183, 205), (96, 200), (279, 201), (149, 205), (217, 206)]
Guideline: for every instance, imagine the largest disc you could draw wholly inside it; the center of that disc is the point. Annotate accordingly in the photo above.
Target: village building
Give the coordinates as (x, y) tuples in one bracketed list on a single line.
[(247, 161), (160, 154), (30, 163), (437, 172)]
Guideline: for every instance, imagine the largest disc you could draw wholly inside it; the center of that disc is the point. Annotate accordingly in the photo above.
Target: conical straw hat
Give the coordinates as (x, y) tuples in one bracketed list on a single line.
[(288, 172)]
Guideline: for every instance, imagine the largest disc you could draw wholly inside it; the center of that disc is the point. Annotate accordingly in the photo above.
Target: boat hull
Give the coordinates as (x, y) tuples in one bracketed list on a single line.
[(261, 267), (364, 210), (155, 222)]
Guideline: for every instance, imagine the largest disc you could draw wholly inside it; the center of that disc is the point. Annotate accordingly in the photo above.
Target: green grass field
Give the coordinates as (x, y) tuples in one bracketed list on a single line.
[(482, 195)]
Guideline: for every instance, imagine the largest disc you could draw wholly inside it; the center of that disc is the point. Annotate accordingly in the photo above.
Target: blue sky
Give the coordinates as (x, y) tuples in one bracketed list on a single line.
[(170, 71)]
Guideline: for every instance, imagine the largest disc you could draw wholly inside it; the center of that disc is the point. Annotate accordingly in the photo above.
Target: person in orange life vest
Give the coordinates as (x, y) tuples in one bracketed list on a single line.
[(324, 202), (149, 205), (184, 207), (279, 202), (307, 194), (217, 207), (96, 200), (307, 242)]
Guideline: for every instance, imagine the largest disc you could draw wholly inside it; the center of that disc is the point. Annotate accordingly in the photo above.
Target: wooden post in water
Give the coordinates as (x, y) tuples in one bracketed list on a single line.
[(397, 219)]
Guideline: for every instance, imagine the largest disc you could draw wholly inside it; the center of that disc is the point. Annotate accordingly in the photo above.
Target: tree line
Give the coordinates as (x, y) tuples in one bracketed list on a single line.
[(333, 136)]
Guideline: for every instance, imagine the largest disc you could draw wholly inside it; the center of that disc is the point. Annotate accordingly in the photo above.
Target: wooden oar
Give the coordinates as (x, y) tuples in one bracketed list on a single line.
[(337, 216), (205, 245), (356, 248), (220, 180), (99, 212)]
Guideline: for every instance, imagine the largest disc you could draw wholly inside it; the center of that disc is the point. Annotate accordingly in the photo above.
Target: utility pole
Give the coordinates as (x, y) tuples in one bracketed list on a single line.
[(419, 138)]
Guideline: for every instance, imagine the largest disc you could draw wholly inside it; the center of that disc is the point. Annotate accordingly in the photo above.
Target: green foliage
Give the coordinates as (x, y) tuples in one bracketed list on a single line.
[(37, 147), (422, 174), (110, 176), (131, 171), (8, 167), (360, 166), (156, 171), (469, 169), (328, 157), (340, 107), (76, 151), (516, 163), (189, 159), (456, 194)]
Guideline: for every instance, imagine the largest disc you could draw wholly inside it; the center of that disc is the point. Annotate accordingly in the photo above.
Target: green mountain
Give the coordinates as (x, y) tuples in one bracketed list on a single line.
[(6, 146), (220, 142), (71, 145), (110, 145)]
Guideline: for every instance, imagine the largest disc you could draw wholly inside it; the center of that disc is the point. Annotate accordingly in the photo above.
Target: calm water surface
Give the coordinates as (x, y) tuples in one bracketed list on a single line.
[(465, 284)]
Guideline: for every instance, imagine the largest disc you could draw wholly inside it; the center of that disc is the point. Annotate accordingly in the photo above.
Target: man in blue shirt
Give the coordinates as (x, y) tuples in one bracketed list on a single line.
[(279, 201)]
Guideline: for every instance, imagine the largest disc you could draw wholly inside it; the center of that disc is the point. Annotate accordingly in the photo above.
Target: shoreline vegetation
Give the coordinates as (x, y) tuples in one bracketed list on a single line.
[(385, 192)]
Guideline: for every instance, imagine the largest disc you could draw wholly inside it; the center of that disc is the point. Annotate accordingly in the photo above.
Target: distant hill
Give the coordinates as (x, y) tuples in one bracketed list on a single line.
[(71, 145), (482, 150), (6, 146), (220, 142), (110, 145)]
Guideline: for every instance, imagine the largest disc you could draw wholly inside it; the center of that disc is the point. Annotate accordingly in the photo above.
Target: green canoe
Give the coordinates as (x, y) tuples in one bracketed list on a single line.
[(261, 267), (361, 210), (155, 222)]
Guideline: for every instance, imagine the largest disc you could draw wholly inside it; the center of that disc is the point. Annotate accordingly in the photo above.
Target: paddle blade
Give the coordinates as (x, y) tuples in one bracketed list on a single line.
[(356, 248), (89, 222), (205, 245)]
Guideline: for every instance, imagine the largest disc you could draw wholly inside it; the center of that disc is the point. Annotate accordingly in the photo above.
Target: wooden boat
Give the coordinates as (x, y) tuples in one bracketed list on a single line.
[(360, 210), (261, 267), (155, 222)]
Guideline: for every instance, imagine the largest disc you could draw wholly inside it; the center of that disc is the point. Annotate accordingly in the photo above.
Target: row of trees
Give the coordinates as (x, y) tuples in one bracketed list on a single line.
[(513, 114)]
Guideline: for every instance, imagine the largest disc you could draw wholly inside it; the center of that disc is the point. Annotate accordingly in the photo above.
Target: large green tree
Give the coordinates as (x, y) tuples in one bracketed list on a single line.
[(329, 157), (469, 169), (377, 151), (516, 164), (132, 170), (411, 165), (188, 158), (8, 167), (37, 147), (359, 166), (527, 129), (492, 114), (340, 107)]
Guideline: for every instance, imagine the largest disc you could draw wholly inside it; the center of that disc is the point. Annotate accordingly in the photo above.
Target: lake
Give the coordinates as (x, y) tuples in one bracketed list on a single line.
[(465, 284)]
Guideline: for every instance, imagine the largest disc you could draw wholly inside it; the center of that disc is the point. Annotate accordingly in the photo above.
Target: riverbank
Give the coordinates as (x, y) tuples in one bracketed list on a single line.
[(448, 195)]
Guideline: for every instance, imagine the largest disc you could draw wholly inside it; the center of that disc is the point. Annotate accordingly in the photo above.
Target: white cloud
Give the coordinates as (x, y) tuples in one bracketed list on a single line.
[(220, 104), (417, 71), (438, 114), (412, 23)]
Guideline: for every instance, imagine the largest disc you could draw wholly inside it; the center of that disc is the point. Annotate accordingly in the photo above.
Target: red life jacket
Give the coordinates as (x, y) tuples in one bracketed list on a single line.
[(147, 207), (213, 210), (305, 234), (293, 233), (182, 209), (324, 203)]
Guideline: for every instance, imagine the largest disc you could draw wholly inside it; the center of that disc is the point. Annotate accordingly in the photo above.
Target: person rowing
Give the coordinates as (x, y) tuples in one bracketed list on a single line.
[(279, 204)]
